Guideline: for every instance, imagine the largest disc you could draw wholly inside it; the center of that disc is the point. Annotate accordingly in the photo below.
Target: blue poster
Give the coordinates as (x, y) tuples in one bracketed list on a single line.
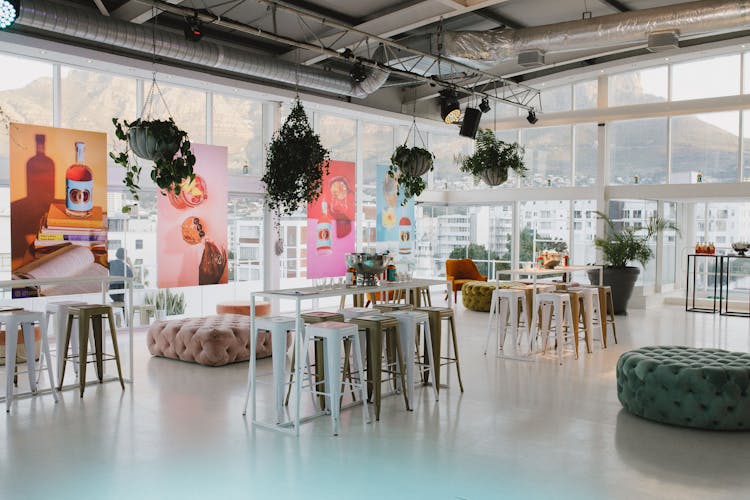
[(395, 222)]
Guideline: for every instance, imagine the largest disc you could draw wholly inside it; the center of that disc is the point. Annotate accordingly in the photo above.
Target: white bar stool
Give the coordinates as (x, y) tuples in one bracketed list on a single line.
[(24, 319), (506, 301), (591, 314), (60, 310), (559, 305), (408, 324), (333, 334), (144, 311), (279, 327)]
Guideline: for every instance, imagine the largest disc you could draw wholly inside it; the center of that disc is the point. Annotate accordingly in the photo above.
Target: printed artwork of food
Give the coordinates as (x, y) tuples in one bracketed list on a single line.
[(192, 236)]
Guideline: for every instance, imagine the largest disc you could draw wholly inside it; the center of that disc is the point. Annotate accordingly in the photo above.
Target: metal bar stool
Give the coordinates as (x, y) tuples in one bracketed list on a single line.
[(386, 308), (504, 308), (91, 316), (60, 311), (13, 320), (379, 328), (333, 334), (559, 305), (437, 315)]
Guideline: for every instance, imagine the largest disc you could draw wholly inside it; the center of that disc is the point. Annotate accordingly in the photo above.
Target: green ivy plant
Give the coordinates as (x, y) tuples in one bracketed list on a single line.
[(624, 245), (492, 158), (408, 165), (296, 163), (165, 140)]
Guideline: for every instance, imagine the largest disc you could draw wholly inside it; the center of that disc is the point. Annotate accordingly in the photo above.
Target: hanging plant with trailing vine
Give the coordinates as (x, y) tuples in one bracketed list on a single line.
[(409, 164), (296, 163)]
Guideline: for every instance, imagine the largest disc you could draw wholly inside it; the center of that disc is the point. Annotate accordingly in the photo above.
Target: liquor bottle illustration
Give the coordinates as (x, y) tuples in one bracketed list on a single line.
[(79, 186), (40, 175), (324, 231), (404, 236)]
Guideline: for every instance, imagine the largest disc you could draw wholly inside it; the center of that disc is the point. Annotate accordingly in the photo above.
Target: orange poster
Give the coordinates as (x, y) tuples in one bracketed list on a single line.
[(58, 209)]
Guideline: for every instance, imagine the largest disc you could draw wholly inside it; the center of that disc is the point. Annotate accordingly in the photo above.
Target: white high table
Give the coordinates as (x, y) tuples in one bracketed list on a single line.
[(536, 272), (298, 295)]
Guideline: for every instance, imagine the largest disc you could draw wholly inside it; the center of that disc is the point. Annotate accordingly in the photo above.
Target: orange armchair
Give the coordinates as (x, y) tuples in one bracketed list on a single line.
[(460, 271)]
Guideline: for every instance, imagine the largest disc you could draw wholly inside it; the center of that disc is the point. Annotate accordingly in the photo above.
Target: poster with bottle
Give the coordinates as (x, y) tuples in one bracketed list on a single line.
[(330, 223), (394, 228), (58, 209), (191, 240)]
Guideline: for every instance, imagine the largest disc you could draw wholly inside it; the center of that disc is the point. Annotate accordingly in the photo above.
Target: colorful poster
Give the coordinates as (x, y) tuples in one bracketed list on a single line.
[(192, 235), (394, 227), (58, 209), (330, 223)]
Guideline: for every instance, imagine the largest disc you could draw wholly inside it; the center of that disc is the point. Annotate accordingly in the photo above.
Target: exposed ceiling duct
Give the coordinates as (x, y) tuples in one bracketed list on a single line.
[(627, 28), (82, 24)]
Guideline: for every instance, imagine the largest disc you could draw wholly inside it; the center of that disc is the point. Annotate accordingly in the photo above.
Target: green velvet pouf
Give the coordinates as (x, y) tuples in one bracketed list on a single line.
[(686, 386)]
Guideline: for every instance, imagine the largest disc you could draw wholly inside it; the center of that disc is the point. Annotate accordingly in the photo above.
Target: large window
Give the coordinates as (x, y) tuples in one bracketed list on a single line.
[(548, 155), (237, 124), (339, 136), (187, 107), (714, 77), (705, 148), (446, 148), (586, 153), (636, 214), (585, 94), (638, 151), (556, 99), (639, 87), (544, 225)]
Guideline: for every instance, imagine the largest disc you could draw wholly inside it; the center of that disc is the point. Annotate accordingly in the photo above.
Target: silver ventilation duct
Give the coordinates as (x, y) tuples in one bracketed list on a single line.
[(627, 28), (92, 27)]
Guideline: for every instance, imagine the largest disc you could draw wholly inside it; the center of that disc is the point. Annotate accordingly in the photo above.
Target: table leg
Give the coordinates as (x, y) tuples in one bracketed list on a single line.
[(436, 337), (298, 367), (251, 365)]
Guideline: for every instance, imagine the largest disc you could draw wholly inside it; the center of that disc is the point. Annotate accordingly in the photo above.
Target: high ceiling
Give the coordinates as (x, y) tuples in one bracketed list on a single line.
[(315, 33)]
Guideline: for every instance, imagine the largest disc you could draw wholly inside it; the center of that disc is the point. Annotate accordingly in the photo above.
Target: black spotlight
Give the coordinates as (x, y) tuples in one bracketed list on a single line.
[(450, 110), (484, 106), (531, 117), (8, 13), (193, 29), (358, 73), (470, 125)]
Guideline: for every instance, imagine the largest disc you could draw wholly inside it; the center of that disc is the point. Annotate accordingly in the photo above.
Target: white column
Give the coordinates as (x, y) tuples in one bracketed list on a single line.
[(602, 171), (270, 121), (359, 217), (209, 118)]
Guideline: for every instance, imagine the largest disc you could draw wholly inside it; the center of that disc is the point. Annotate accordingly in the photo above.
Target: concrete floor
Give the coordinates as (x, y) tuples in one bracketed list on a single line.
[(521, 430)]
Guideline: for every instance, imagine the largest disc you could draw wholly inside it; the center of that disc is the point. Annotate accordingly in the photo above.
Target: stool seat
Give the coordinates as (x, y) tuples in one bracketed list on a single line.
[(333, 334), (392, 307), (504, 310), (353, 312), (25, 320)]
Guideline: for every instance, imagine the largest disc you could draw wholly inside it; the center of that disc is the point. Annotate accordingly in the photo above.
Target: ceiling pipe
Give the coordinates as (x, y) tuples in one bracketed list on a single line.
[(82, 24), (626, 28)]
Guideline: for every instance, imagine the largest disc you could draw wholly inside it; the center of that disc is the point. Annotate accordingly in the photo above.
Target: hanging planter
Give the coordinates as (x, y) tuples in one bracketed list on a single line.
[(409, 164), (296, 163), (492, 158), (160, 141)]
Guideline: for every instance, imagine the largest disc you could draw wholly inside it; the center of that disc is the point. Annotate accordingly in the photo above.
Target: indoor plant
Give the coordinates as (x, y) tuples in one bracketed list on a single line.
[(167, 303), (620, 247), (408, 165), (492, 158), (296, 163), (158, 141)]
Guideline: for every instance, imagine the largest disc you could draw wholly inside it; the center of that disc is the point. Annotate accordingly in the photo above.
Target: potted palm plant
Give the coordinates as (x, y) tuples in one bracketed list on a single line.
[(621, 246), (158, 141), (492, 158)]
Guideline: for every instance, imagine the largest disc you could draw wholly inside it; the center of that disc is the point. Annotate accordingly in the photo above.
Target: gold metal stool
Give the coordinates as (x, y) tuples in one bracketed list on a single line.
[(384, 308), (93, 314), (437, 316), (376, 325)]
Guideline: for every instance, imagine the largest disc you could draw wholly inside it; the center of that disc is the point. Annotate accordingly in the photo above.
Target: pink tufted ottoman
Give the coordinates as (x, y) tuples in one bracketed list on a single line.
[(212, 340)]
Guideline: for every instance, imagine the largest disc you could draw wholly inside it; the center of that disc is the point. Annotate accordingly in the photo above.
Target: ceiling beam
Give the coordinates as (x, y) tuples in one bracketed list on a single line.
[(499, 18), (136, 12), (617, 5), (412, 16)]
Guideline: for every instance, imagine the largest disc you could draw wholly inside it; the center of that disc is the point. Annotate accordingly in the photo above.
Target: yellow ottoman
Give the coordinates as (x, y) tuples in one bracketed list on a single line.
[(477, 295)]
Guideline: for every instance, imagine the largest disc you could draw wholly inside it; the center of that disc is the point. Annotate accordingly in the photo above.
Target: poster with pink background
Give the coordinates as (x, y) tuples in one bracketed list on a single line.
[(330, 223), (192, 226)]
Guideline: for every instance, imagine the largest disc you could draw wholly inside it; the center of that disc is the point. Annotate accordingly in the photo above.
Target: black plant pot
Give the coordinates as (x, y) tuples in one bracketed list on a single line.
[(495, 176), (416, 166), (622, 280), (146, 145)]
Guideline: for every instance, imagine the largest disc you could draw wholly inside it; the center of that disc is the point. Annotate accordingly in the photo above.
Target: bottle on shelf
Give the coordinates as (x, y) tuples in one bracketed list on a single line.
[(324, 232), (79, 186)]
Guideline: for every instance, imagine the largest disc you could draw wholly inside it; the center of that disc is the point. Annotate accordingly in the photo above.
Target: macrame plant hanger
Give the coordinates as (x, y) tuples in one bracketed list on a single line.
[(414, 127)]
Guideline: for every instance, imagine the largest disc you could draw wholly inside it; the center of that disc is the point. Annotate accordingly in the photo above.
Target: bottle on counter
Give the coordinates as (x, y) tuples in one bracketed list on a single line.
[(351, 276), (79, 186), (390, 273)]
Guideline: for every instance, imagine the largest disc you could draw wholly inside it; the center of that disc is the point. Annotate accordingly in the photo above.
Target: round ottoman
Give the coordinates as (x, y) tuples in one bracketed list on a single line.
[(476, 295), (243, 307), (687, 386)]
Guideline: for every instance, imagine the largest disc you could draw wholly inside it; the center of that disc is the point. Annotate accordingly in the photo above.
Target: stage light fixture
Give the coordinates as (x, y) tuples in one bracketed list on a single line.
[(484, 106), (450, 110), (193, 29), (358, 73), (531, 117), (8, 13)]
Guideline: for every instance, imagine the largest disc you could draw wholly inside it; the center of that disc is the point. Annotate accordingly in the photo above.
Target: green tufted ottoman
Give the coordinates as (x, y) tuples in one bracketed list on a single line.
[(476, 295), (702, 388)]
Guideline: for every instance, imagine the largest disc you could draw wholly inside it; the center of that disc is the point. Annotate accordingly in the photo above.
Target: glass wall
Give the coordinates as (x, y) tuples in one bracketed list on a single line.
[(548, 155), (705, 148), (638, 151), (237, 124)]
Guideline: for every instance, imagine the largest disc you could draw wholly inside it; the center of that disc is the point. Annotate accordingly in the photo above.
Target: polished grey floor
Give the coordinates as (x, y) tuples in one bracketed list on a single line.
[(521, 430)]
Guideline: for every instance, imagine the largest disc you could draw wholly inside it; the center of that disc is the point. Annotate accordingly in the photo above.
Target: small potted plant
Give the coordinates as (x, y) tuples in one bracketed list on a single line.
[(408, 165), (167, 303), (296, 163), (620, 247), (159, 141), (492, 158)]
